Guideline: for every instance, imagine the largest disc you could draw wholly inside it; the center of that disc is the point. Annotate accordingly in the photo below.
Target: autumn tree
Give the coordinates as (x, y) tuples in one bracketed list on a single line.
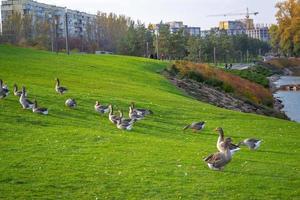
[(12, 28), (286, 34)]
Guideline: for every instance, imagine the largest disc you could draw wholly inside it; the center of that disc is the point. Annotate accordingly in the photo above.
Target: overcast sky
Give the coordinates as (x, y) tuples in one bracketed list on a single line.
[(191, 12)]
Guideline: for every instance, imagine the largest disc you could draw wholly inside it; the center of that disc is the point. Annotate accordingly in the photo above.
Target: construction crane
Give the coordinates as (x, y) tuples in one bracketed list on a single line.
[(247, 14)]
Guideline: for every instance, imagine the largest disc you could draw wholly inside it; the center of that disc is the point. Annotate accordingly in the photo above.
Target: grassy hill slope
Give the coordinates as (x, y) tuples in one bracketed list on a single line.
[(77, 154)]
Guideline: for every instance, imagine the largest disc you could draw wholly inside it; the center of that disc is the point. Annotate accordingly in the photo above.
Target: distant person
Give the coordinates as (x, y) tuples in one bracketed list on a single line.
[(226, 66), (230, 66), (151, 56)]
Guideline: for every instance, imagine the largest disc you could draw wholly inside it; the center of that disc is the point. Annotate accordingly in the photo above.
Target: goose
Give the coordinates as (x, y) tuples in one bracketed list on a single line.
[(4, 87), (196, 126), (140, 111), (112, 117), (59, 89), (102, 109), (251, 143), (16, 92), (124, 125), (219, 160), (130, 121), (26, 104), (71, 103), (36, 109), (4, 92), (221, 142), (134, 115)]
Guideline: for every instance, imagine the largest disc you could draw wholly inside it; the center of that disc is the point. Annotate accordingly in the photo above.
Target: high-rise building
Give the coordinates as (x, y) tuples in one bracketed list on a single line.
[(175, 26), (77, 21), (260, 32), (245, 26)]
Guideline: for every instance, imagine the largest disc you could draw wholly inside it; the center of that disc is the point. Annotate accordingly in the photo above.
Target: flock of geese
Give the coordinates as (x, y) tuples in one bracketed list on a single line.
[(135, 114), (226, 148), (216, 161)]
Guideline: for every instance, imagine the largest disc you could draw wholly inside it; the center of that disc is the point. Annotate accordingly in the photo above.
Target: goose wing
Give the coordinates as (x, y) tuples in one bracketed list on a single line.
[(28, 102), (213, 158)]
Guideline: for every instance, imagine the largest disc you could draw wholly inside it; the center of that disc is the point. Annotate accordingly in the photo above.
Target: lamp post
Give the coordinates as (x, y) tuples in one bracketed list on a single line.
[(215, 56), (51, 32), (241, 54), (55, 31), (81, 39), (67, 31), (157, 54), (147, 49)]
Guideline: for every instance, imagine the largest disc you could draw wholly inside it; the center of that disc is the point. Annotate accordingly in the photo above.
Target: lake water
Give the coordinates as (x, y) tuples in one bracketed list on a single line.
[(290, 99)]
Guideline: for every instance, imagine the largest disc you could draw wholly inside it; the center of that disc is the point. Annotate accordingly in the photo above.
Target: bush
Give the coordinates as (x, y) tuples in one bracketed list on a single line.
[(214, 82), (226, 81), (195, 76), (228, 88), (257, 74), (173, 69)]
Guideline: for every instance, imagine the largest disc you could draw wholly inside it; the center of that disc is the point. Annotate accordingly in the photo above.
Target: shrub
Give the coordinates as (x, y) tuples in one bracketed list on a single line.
[(257, 74), (195, 76), (225, 81)]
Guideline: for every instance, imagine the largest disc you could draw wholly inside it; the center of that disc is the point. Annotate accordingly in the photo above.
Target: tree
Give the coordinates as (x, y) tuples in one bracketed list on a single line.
[(275, 39), (162, 41), (177, 45), (42, 33), (194, 49), (12, 28), (287, 33)]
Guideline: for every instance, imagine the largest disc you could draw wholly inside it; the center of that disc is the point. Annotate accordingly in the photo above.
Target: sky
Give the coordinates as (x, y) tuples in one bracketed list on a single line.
[(191, 12)]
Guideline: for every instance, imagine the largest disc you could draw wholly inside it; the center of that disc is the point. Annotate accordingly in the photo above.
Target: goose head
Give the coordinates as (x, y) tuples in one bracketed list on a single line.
[(15, 87), (240, 144), (132, 105), (227, 143), (110, 108), (57, 81), (34, 104), (130, 109), (23, 90), (220, 131), (121, 113)]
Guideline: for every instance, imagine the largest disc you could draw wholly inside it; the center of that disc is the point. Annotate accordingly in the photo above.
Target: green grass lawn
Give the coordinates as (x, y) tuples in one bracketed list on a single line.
[(77, 154)]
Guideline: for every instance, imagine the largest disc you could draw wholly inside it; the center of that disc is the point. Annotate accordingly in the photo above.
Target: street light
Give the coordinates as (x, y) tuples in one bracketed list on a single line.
[(157, 54), (52, 32), (55, 31), (81, 38), (67, 31)]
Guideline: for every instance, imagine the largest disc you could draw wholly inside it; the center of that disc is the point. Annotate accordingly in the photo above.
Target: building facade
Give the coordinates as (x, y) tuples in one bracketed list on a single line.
[(245, 26), (175, 26), (77, 21), (260, 32)]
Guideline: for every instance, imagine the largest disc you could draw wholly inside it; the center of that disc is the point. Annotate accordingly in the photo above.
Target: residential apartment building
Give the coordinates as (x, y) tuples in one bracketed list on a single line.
[(77, 21), (233, 27), (260, 32), (245, 26), (175, 26)]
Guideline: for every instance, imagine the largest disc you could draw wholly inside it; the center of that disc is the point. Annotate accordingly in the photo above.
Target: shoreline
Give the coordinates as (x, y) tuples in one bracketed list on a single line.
[(278, 103), (209, 94)]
